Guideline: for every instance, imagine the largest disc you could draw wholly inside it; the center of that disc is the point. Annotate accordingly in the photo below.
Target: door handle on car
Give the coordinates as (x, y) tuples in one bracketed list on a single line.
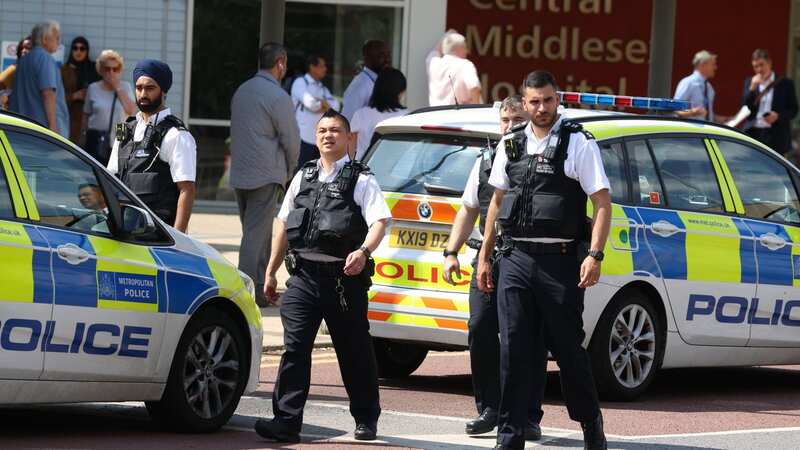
[(772, 241), (664, 228), (72, 254)]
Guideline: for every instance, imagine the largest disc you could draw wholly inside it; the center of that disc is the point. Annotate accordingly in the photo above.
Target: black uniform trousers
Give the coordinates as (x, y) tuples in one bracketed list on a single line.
[(310, 298), (540, 292), (484, 354)]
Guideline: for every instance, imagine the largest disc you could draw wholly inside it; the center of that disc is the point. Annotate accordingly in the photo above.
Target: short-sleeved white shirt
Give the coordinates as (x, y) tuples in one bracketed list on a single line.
[(307, 95), (470, 196), (364, 122), (367, 194), (583, 164), (178, 149)]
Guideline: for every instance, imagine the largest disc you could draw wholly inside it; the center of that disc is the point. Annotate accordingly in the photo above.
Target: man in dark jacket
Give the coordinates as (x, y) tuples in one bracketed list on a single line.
[(772, 102)]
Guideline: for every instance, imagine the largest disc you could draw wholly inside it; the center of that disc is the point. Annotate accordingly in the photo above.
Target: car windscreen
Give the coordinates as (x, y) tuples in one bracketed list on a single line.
[(424, 164)]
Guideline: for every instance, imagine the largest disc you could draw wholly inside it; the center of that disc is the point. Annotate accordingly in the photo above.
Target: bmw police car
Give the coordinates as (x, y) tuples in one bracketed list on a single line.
[(100, 301), (702, 264)]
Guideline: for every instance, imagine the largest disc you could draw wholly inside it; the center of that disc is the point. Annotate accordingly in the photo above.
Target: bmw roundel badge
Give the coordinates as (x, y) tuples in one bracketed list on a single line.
[(424, 210)]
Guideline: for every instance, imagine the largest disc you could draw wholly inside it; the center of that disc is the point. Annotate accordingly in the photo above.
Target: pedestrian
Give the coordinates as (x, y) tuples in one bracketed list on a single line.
[(697, 89), (311, 100), (542, 176), (38, 91), (376, 56), (332, 219), (484, 345), (265, 144), (78, 73), (154, 153), (773, 104), (452, 78), (108, 102), (7, 76), (385, 102)]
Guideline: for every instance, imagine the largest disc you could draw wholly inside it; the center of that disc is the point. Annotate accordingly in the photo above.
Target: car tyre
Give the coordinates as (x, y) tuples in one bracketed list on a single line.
[(397, 359), (208, 375), (627, 347)]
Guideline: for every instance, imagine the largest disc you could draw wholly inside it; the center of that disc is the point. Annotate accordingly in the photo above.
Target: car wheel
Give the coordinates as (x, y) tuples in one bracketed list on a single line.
[(397, 359), (208, 375), (627, 347)]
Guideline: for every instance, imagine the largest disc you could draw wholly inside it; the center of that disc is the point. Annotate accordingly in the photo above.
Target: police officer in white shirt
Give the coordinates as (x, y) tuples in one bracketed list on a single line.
[(484, 345), (542, 176), (156, 142), (332, 218), (311, 99), (376, 56)]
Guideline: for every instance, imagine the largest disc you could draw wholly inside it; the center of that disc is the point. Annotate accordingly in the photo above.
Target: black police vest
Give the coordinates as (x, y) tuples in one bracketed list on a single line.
[(542, 201), (326, 219), (485, 190), (141, 169)]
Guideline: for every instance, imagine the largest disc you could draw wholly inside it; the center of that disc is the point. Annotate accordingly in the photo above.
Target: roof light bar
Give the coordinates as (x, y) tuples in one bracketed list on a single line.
[(666, 104)]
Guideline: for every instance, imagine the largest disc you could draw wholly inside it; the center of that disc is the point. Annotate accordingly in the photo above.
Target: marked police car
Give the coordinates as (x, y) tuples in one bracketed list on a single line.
[(702, 264), (100, 301)]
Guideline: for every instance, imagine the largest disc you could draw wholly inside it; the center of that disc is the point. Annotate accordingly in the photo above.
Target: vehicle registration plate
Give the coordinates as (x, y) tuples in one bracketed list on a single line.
[(416, 239)]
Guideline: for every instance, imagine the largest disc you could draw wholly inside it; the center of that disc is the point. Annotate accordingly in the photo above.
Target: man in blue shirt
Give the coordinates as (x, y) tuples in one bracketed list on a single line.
[(38, 90), (697, 89)]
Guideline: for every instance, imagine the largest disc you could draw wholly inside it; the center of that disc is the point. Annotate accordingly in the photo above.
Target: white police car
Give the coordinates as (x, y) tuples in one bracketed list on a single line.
[(702, 264), (100, 301)]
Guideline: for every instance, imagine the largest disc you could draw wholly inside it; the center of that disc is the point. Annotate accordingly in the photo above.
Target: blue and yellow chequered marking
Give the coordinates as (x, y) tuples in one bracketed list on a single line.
[(26, 260), (126, 276)]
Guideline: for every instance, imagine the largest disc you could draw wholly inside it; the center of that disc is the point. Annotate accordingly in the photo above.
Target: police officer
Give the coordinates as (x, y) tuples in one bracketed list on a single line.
[(332, 218), (542, 176), (153, 153), (484, 346)]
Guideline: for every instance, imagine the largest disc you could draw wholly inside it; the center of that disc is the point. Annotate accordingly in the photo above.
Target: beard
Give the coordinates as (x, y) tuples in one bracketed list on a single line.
[(150, 107)]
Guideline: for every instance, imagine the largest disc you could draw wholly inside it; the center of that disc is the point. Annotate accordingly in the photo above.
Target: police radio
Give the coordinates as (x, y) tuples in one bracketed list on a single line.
[(346, 176)]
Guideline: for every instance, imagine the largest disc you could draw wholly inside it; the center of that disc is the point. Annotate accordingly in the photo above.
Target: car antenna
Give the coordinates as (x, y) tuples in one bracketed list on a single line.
[(453, 88)]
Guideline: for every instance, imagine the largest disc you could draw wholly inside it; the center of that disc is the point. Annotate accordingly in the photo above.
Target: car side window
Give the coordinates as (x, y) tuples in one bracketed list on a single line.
[(6, 207), (65, 187), (647, 190), (764, 184), (687, 173), (614, 164)]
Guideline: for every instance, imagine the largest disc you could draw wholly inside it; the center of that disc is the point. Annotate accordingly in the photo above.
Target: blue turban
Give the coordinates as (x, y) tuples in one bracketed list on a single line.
[(156, 70)]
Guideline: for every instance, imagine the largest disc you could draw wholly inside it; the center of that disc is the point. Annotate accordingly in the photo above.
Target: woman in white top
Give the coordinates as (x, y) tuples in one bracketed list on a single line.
[(108, 102), (384, 103)]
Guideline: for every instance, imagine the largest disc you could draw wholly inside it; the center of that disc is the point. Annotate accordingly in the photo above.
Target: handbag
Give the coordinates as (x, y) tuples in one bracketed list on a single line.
[(97, 143)]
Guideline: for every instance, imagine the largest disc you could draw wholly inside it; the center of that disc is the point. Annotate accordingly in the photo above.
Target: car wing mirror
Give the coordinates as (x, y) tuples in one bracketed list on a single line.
[(136, 221)]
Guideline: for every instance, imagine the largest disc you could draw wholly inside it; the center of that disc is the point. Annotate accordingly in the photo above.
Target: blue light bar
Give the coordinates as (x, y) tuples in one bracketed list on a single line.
[(664, 104)]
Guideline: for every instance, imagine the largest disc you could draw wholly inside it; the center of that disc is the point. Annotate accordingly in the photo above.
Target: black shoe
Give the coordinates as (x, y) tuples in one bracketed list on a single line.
[(533, 432), (483, 424), (593, 436), (365, 432), (271, 429)]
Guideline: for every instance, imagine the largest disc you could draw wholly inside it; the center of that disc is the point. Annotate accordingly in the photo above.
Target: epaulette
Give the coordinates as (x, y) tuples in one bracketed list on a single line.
[(517, 128), (171, 122), (575, 127), (362, 168), (310, 170)]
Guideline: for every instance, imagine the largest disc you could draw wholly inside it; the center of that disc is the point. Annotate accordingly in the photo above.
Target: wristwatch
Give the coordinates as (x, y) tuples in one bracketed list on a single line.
[(597, 254), (447, 253), (365, 250)]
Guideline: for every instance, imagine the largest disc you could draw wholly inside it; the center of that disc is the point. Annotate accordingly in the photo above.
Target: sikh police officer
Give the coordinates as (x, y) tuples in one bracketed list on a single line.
[(542, 175), (332, 218), (484, 346), (154, 154)]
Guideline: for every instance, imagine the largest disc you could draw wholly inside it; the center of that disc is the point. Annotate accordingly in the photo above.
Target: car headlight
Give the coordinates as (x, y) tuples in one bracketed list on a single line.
[(249, 284)]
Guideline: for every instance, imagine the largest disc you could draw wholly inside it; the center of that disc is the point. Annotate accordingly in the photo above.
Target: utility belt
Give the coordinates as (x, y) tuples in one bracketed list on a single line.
[(333, 269), (540, 248)]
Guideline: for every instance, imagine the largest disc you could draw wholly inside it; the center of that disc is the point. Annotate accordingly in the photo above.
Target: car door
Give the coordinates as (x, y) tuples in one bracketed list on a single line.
[(768, 195), (26, 295), (109, 295), (704, 253)]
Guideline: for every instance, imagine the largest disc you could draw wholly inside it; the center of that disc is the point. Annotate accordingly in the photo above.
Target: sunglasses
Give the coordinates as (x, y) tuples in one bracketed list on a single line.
[(111, 69), (78, 48)]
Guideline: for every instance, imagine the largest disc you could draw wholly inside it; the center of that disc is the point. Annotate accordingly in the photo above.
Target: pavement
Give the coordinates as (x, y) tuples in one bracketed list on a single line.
[(218, 225)]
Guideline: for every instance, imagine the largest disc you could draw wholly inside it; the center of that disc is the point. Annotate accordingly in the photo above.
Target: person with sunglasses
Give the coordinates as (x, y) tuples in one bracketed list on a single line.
[(78, 73), (108, 102)]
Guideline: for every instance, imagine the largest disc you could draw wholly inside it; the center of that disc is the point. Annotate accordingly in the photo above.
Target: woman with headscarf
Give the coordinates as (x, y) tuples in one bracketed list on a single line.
[(78, 73), (7, 76)]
